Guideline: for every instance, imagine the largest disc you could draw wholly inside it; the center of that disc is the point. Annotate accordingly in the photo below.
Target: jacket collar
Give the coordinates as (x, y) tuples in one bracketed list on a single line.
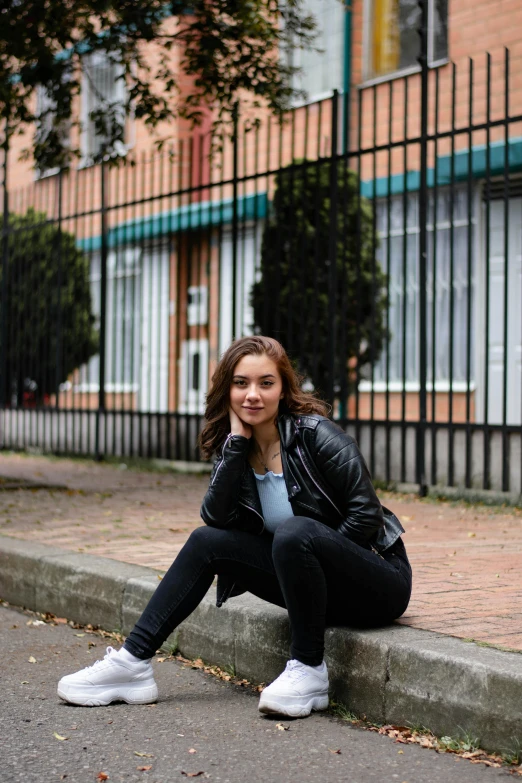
[(287, 426)]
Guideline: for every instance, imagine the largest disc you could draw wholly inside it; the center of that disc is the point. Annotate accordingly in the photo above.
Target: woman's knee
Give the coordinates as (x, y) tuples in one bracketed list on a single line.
[(204, 538), (293, 533)]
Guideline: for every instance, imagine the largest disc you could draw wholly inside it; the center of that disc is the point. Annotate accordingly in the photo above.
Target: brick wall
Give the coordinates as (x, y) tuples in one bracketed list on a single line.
[(474, 29)]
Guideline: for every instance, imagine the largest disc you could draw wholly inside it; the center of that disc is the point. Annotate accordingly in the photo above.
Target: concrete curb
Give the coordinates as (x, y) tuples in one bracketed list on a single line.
[(396, 675)]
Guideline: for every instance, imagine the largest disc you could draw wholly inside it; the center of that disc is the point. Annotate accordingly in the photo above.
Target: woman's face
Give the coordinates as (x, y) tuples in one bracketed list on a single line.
[(256, 390)]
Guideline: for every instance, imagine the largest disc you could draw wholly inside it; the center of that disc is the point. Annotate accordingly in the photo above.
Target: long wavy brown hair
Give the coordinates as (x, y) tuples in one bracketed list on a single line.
[(294, 400)]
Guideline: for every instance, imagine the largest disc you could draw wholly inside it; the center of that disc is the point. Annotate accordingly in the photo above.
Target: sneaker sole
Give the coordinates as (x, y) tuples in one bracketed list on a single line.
[(100, 697), (296, 710)]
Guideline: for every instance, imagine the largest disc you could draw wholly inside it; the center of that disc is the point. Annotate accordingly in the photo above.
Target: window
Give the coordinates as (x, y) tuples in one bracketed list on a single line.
[(45, 111), (392, 41), (193, 376), (398, 254), (248, 257), (197, 296), (103, 106), (322, 71), (123, 321)]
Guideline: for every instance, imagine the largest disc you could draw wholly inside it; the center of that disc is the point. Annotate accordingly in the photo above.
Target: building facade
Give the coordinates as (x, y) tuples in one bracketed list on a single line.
[(175, 240)]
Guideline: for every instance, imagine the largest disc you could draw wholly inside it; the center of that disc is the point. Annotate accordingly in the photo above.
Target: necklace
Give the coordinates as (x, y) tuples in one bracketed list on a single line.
[(259, 455)]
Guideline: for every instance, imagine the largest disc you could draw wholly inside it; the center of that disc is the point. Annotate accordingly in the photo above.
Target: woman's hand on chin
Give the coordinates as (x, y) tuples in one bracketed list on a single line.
[(238, 426)]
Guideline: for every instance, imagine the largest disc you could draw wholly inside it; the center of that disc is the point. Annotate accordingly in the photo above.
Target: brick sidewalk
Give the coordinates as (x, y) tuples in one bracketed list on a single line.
[(466, 559)]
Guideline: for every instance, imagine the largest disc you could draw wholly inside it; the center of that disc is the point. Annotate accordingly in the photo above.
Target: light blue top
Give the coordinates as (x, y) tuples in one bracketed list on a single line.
[(274, 499)]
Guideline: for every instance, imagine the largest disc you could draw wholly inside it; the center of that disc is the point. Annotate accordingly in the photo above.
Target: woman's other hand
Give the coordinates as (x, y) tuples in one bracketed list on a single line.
[(237, 426)]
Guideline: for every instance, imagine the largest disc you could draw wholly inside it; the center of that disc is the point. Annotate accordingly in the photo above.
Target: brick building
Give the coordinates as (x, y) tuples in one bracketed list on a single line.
[(183, 228)]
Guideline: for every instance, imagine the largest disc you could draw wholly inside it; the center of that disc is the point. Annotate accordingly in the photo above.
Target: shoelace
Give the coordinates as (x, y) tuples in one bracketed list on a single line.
[(110, 651), (294, 671)]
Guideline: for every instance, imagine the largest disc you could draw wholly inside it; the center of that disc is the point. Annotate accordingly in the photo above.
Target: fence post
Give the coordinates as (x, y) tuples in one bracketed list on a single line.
[(333, 315), (59, 283), (103, 310), (5, 264), (423, 244), (235, 216)]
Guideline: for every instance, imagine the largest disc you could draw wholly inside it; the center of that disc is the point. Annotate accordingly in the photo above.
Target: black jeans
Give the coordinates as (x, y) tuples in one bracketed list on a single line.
[(321, 577)]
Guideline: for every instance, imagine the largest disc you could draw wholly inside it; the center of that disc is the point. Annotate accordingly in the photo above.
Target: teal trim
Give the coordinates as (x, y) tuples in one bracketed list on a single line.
[(461, 164), (347, 71), (219, 213), (189, 217)]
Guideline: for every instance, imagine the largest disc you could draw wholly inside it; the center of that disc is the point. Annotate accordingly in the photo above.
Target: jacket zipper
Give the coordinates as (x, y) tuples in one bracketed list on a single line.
[(218, 468), (316, 484)]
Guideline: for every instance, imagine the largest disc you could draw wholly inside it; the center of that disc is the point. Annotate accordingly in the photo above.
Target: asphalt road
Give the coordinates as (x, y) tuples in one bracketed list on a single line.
[(197, 712)]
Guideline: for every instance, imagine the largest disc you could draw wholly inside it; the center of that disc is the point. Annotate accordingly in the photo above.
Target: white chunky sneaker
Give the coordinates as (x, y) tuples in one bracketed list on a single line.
[(297, 691), (108, 680)]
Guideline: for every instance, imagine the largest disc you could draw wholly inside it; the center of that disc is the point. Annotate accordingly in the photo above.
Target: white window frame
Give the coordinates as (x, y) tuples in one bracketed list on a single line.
[(44, 103), (193, 401), (87, 384), (312, 97), (369, 80), (197, 311), (247, 273), (441, 384), (98, 59)]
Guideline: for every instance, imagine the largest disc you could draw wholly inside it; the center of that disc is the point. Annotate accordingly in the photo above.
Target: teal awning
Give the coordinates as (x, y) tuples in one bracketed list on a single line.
[(462, 164), (203, 214)]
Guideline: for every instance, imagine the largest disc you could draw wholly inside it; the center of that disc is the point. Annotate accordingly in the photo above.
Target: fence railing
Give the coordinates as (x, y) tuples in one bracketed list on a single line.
[(386, 256)]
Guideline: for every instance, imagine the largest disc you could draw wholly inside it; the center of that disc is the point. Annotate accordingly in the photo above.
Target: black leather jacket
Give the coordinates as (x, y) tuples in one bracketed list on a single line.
[(326, 477)]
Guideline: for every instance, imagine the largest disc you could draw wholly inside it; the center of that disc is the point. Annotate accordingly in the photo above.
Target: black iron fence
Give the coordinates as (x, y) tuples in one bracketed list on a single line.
[(378, 237)]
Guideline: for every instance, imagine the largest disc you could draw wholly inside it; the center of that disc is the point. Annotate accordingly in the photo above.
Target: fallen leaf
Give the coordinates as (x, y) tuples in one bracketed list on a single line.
[(160, 660), (192, 750), (144, 755), (79, 635), (160, 577), (335, 750), (400, 752), (192, 774), (472, 535), (102, 776), (32, 659), (59, 736), (282, 727), (63, 621), (144, 769)]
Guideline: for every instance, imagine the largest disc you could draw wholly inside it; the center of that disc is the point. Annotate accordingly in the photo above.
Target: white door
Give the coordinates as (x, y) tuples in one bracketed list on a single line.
[(153, 396), (497, 371)]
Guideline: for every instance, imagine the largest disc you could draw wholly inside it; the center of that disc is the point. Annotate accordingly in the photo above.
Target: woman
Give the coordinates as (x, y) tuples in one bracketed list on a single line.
[(291, 516)]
